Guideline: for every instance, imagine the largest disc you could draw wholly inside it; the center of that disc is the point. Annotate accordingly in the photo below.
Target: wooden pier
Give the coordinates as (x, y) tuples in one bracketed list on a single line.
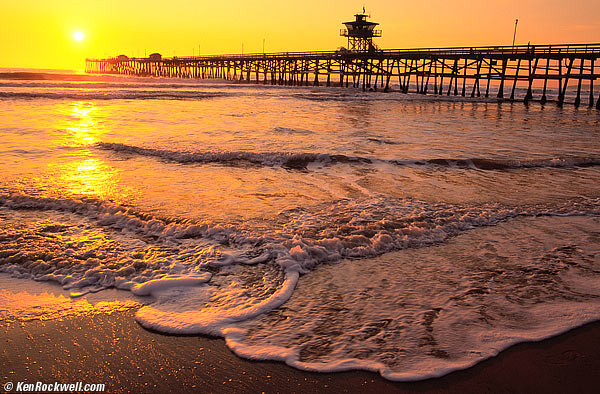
[(524, 72)]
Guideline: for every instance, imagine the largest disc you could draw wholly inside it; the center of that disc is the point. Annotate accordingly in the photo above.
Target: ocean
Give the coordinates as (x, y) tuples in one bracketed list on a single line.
[(327, 228)]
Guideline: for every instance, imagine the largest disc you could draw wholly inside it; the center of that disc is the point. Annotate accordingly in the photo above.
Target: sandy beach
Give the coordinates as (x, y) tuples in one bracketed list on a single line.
[(113, 349)]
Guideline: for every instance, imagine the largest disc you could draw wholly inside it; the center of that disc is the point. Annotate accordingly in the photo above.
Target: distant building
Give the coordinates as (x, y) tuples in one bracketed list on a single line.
[(122, 58), (155, 57)]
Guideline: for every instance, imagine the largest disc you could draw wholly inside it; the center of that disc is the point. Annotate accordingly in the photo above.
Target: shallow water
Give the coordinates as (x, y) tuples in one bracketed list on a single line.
[(325, 227)]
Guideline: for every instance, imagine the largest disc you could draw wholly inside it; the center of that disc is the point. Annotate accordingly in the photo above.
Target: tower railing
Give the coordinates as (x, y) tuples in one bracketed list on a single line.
[(367, 33)]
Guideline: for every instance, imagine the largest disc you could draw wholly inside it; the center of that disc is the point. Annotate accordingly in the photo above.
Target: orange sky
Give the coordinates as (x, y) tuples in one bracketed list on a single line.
[(39, 34)]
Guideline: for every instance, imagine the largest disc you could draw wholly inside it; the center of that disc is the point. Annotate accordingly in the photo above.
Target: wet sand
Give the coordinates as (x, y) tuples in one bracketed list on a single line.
[(113, 349)]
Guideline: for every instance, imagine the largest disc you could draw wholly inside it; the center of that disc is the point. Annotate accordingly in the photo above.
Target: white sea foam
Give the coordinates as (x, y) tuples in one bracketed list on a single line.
[(155, 286), (166, 315), (202, 287), (425, 312), (485, 345), (306, 238), (72, 242)]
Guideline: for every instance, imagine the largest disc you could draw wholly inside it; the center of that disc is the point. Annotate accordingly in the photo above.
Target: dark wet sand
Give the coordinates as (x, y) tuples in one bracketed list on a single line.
[(115, 350)]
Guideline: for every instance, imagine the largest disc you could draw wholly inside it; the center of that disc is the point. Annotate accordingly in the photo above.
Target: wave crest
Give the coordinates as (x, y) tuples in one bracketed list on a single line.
[(112, 95), (283, 159), (301, 160)]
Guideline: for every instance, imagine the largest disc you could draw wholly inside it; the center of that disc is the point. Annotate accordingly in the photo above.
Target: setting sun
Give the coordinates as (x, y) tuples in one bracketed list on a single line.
[(78, 36)]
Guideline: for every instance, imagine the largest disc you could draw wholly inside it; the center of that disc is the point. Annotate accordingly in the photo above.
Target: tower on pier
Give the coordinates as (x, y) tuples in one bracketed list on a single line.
[(360, 33)]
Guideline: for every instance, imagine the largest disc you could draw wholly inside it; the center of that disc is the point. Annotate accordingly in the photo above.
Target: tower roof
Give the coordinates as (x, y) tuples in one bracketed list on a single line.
[(360, 21)]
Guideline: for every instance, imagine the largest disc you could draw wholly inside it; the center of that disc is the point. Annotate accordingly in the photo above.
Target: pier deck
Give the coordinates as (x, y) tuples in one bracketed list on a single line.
[(524, 72)]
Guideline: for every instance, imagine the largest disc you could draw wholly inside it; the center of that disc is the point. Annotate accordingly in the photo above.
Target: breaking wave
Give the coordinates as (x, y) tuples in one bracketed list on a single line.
[(211, 278), (44, 76), (297, 239), (502, 164), (302, 160), (283, 159), (113, 95), (176, 85)]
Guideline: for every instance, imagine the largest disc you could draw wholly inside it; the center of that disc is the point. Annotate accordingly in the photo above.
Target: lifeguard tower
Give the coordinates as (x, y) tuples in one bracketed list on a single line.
[(360, 33)]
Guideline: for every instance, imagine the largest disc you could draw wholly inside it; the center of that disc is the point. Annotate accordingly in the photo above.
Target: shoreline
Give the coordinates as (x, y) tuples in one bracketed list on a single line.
[(115, 350)]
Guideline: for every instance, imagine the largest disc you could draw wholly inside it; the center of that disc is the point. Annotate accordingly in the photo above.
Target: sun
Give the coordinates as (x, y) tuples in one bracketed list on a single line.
[(78, 36)]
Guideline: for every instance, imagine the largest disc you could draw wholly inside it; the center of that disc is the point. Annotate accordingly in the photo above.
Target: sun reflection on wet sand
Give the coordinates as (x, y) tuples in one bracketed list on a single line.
[(24, 306)]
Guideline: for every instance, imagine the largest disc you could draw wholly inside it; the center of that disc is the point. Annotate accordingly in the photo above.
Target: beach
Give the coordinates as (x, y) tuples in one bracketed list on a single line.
[(114, 350), (162, 234)]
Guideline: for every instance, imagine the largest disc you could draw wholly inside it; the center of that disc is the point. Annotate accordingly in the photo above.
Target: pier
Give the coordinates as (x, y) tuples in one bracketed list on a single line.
[(565, 73)]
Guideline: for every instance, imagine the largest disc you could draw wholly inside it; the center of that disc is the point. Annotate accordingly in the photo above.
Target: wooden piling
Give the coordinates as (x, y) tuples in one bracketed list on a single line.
[(465, 77), (579, 80), (512, 93), (502, 77), (529, 94), (591, 102), (543, 100), (561, 96)]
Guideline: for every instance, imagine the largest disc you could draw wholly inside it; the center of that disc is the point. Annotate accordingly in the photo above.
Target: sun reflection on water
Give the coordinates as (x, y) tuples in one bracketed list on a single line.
[(78, 170), (82, 125), (88, 177)]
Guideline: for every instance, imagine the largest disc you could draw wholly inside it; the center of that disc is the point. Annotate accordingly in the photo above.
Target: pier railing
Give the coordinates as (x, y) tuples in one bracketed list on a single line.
[(535, 71)]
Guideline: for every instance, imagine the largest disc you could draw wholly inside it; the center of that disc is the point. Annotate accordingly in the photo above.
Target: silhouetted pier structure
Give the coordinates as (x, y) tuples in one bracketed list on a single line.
[(523, 72)]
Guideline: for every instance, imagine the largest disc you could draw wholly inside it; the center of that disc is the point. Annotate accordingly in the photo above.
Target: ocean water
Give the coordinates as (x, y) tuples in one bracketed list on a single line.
[(328, 228)]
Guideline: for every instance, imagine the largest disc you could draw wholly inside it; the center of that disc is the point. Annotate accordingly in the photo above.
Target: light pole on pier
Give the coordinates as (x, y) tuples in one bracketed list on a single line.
[(515, 34)]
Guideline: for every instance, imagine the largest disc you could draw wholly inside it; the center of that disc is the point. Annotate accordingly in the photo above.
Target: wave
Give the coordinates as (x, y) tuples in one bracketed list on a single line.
[(300, 239), (283, 159), (384, 141), (355, 95), (506, 164), (210, 278), (113, 95), (96, 263), (106, 85), (423, 313), (288, 130), (302, 160), (33, 76), (41, 78)]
